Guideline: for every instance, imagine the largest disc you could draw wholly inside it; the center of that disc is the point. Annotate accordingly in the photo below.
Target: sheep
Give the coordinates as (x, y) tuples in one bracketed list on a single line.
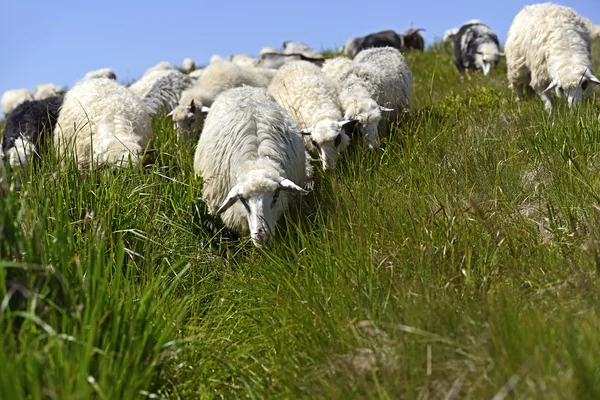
[(266, 50), (224, 75), (548, 47), (161, 66), (378, 77), (386, 38), (311, 98), (101, 73), (243, 60), (276, 60), (101, 123), (25, 129), (593, 28), (251, 159), (188, 116), (161, 89), (215, 58), (476, 47), (412, 39), (12, 98), (45, 90), (188, 65), (335, 68), (290, 47)]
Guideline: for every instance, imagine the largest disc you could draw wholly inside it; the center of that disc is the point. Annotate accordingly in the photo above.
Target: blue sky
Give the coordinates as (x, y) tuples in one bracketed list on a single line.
[(58, 41)]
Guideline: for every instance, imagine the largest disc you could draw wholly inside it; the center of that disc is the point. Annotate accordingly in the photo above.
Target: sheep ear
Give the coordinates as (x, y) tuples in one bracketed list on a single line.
[(386, 109), (192, 106), (591, 78), (233, 196), (551, 86), (290, 186), (307, 131)]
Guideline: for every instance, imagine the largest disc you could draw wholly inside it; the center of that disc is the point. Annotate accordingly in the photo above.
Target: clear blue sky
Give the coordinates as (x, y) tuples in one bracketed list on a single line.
[(58, 41)]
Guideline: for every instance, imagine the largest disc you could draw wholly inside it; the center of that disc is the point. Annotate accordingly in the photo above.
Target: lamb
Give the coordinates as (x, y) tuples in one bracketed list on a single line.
[(224, 75), (251, 159), (548, 47), (102, 123), (101, 73), (188, 65), (25, 129), (378, 77), (12, 98), (290, 47), (46, 90), (161, 89), (476, 47), (302, 89)]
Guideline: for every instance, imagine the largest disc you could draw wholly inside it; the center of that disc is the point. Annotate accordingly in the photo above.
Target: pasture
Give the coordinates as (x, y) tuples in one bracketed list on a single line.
[(460, 260)]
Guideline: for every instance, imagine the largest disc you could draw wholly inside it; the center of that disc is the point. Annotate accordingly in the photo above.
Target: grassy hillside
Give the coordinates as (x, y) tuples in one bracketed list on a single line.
[(459, 261)]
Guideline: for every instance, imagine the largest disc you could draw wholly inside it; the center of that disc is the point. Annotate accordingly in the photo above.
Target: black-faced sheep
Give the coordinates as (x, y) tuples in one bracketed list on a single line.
[(476, 47)]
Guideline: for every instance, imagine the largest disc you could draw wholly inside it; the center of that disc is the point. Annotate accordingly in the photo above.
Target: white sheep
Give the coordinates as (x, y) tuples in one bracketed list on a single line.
[(379, 79), (243, 60), (161, 89), (548, 47), (335, 68), (251, 159), (45, 90), (220, 76), (101, 73), (311, 98), (267, 50), (12, 98), (188, 65), (102, 122), (161, 66), (300, 48)]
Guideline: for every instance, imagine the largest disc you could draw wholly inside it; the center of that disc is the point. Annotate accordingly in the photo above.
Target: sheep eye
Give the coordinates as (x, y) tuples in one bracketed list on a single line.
[(275, 197), (338, 140), (246, 206)]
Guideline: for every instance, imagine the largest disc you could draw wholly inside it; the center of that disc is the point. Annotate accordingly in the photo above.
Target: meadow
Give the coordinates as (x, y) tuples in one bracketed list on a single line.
[(460, 261)]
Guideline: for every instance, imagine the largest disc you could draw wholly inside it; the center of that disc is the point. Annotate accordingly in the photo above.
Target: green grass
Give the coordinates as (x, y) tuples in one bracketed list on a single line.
[(461, 260)]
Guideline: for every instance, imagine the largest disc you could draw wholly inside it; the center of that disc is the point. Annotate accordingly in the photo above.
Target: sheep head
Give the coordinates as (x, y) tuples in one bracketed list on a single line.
[(259, 196), (328, 138), (188, 115), (368, 113), (487, 57), (574, 84)]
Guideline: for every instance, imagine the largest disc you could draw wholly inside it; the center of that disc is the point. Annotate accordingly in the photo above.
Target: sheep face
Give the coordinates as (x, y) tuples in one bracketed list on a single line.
[(187, 117), (259, 197), (573, 84), (487, 57), (328, 139), (368, 114)]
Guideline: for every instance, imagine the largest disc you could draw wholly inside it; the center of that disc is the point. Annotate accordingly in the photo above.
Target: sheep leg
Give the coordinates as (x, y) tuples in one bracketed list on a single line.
[(547, 99)]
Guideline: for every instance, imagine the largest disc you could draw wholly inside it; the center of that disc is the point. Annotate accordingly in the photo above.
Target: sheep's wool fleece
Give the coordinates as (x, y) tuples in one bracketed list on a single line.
[(335, 68), (12, 98), (390, 79), (103, 120), (543, 38), (245, 131)]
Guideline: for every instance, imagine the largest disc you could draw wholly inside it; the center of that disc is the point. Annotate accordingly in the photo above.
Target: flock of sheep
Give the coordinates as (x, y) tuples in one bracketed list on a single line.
[(262, 122)]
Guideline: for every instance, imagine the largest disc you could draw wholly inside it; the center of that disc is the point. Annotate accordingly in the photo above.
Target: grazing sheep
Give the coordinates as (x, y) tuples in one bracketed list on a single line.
[(224, 75), (25, 129), (476, 47), (243, 60), (412, 39), (266, 50), (548, 47), (378, 77), (302, 89), (102, 122), (101, 73), (593, 28), (251, 159), (276, 60), (12, 98), (46, 90), (188, 65), (188, 116), (386, 38), (300, 48), (335, 68), (161, 89)]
